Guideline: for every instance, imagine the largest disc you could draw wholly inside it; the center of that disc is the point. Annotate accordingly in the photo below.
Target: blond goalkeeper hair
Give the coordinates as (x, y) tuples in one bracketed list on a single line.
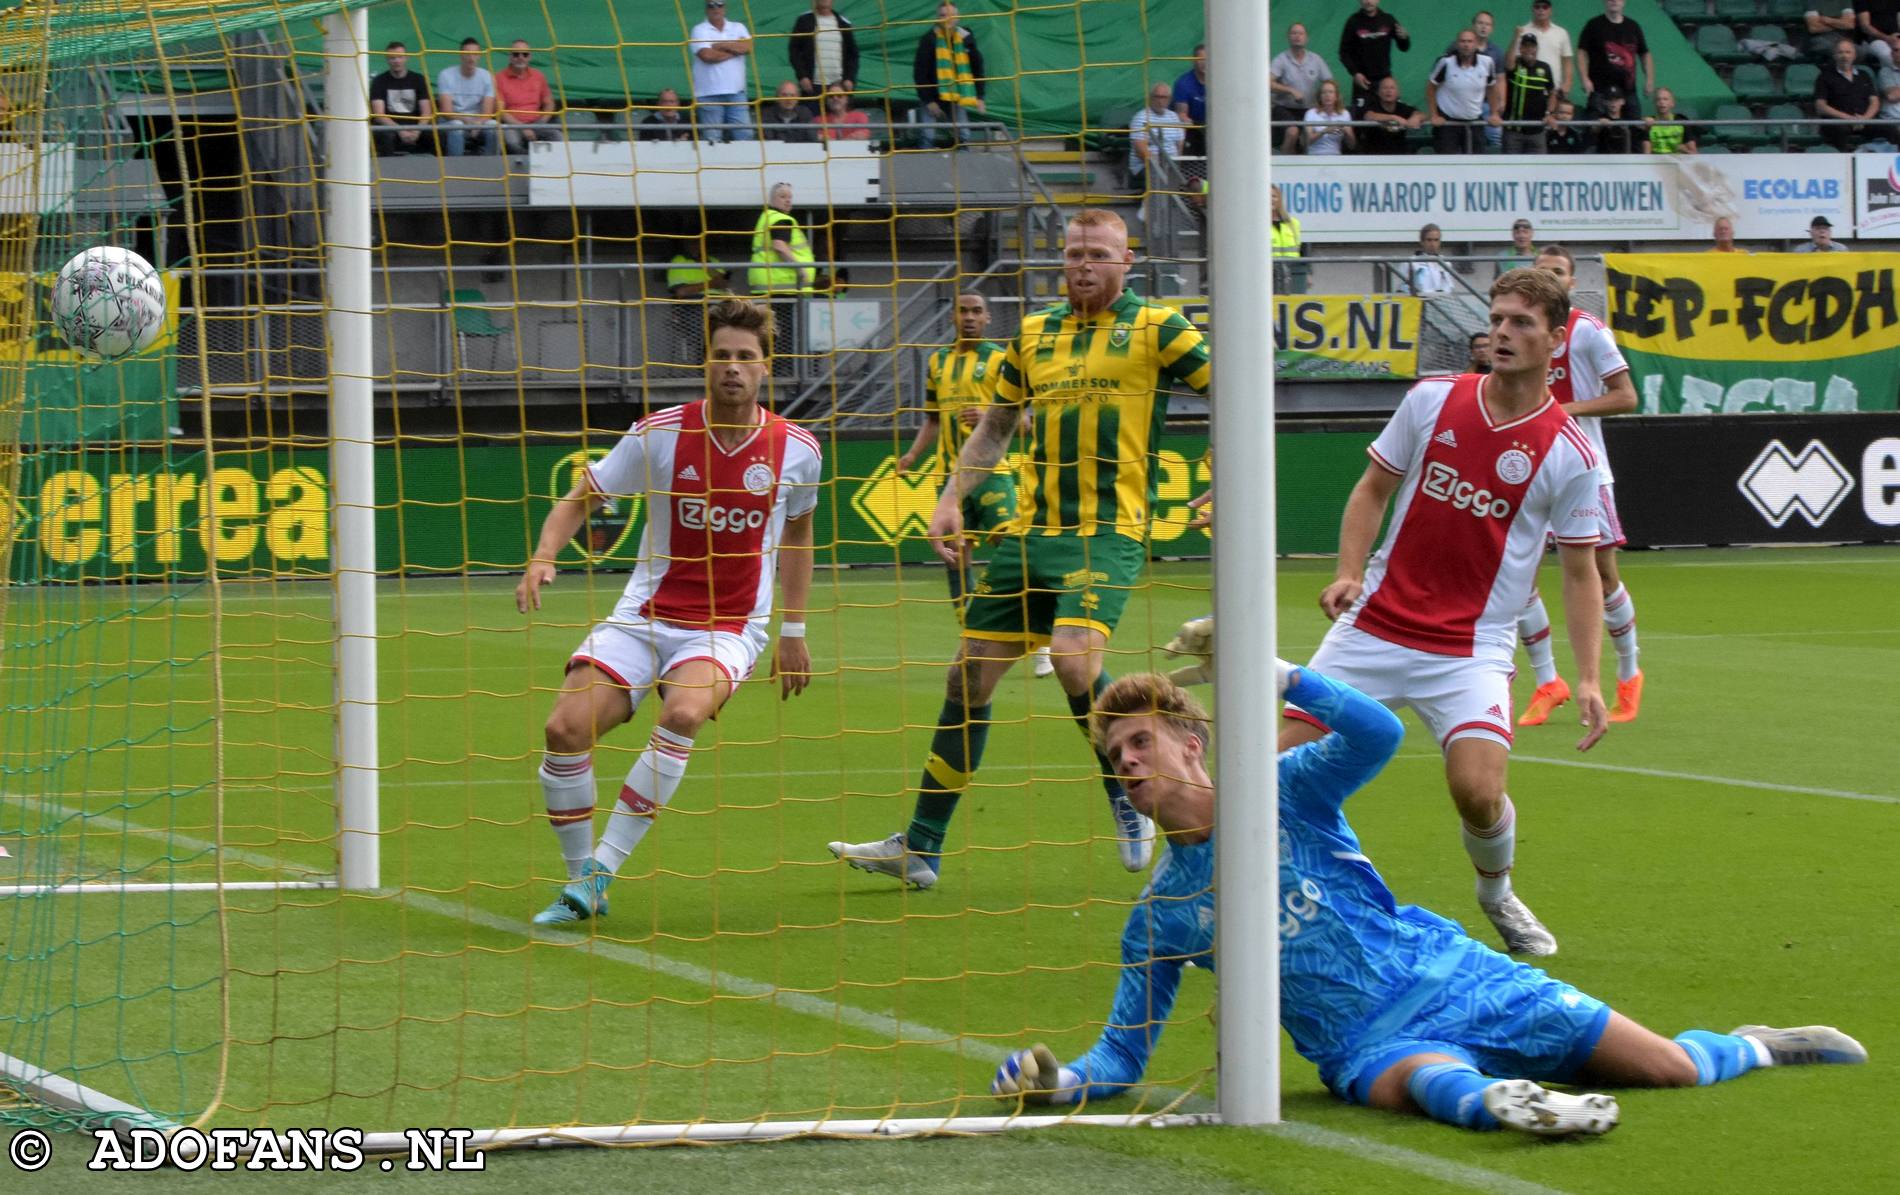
[(1145, 693)]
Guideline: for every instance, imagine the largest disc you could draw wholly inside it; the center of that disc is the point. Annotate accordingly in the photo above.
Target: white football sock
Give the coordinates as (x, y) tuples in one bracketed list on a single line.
[(1491, 851), (1533, 627), (567, 782), (1619, 619), (650, 785)]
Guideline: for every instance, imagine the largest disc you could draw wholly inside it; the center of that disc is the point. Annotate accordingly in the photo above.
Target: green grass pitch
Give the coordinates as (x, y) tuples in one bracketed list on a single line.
[(1727, 858)]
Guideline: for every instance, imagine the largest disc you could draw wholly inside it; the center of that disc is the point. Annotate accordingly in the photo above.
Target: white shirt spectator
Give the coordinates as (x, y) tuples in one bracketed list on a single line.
[(1461, 89), (1428, 276), (1164, 132), (1328, 142), (830, 49), (461, 94), (718, 78), (1888, 79), (1553, 47), (1305, 74)]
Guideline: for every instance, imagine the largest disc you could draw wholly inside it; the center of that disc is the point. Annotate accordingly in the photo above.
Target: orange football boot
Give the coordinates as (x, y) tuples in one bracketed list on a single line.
[(1629, 698), (1547, 698)]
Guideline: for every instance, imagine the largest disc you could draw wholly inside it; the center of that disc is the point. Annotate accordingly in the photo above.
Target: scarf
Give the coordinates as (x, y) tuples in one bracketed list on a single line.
[(955, 83)]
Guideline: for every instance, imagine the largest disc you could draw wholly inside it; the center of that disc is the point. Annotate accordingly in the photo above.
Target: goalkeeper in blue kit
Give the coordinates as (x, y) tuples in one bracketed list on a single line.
[(1397, 1006)]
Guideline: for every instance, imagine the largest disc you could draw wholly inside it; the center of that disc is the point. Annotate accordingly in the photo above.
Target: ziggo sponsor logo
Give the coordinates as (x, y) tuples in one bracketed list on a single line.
[(1441, 482), (698, 516)]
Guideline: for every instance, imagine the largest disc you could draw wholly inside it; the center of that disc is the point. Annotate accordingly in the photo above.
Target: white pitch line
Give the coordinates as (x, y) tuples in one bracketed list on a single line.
[(886, 1028), (1699, 778)]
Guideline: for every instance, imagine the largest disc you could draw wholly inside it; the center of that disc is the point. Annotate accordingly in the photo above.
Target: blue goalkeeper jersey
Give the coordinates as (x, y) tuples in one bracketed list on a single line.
[(1354, 964)]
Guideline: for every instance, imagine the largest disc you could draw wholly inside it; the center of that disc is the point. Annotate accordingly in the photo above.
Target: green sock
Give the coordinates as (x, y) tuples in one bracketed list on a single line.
[(956, 751), (1080, 707)]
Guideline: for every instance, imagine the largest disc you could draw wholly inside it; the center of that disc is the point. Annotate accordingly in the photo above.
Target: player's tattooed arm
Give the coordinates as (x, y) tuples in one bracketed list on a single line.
[(987, 444)]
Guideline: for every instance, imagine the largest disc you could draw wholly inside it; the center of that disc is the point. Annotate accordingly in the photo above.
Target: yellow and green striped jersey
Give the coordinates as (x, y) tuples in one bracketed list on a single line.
[(956, 379), (1097, 393)]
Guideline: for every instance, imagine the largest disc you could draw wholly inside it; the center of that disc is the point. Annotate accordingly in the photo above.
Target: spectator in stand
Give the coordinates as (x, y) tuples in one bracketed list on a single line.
[(688, 277), (1566, 135), (1295, 76), (1879, 24), (399, 106), (1528, 89), (1479, 350), (667, 121), (1365, 47), (525, 102), (1456, 93), (823, 49), (1190, 101), (1666, 132), (1482, 25), (1329, 130), (1553, 46), (1285, 233), (1844, 95), (1609, 52), (1820, 238), (1156, 132), (838, 122), (720, 47), (1426, 273), (1613, 135), (1392, 119), (1521, 253), (783, 260), (1724, 233), (948, 72), (1824, 30), (1888, 86), (782, 117), (467, 113)]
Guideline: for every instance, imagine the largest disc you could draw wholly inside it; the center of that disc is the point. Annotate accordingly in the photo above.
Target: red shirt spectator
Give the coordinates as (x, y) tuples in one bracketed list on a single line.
[(840, 122), (522, 91)]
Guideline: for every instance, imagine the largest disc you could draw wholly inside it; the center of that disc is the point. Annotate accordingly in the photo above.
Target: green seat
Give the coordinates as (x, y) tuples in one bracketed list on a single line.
[(1799, 80), (1785, 115), (1688, 12), (1736, 10), (473, 321), (582, 125), (1772, 34), (1733, 135), (1716, 43), (1789, 10), (1751, 80)]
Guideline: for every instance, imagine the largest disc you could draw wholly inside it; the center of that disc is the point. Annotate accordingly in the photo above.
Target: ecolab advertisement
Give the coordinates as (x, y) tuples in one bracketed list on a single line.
[(1624, 198)]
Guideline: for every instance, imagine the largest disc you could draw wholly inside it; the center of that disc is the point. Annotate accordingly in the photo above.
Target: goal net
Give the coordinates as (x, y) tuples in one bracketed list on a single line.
[(206, 596)]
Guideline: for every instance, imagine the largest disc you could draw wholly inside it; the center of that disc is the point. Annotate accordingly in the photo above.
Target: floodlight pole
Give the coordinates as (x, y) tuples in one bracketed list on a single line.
[(346, 230), (1246, 837)]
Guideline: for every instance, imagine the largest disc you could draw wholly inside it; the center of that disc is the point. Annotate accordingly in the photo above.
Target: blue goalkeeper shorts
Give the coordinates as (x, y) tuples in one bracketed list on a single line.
[(1507, 1019)]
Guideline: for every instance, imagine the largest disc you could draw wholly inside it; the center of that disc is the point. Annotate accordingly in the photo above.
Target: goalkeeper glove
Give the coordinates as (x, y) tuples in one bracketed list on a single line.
[(1195, 638), (1035, 1077)]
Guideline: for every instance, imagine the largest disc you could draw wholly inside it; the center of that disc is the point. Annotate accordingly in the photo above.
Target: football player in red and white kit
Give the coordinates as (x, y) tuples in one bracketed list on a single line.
[(729, 489), (1590, 378), (1482, 466)]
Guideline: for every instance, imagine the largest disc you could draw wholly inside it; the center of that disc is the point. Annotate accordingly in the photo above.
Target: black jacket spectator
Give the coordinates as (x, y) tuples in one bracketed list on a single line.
[(923, 69), (1849, 94), (775, 122), (1384, 136), (656, 127), (1365, 48), (1614, 50), (1528, 89), (803, 48)]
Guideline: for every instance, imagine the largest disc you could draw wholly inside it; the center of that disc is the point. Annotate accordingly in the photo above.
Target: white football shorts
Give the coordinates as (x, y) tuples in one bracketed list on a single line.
[(638, 654), (1456, 697)]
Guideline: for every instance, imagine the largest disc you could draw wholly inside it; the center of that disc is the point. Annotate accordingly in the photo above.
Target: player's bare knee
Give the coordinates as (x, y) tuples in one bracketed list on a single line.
[(569, 732), (1076, 673)]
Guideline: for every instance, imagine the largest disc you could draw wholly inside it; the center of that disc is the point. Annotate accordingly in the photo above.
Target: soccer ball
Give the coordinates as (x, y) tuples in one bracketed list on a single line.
[(109, 303)]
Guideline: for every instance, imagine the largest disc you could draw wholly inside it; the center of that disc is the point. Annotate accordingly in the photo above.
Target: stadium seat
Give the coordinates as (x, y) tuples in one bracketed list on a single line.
[(1751, 81), (1799, 79), (1774, 35), (473, 322), (1716, 43), (1789, 10), (1736, 10), (1687, 12), (1737, 136), (1798, 134)]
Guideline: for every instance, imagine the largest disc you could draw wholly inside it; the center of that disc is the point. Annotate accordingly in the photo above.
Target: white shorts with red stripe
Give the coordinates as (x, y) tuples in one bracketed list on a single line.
[(1609, 526), (1456, 697), (637, 654)]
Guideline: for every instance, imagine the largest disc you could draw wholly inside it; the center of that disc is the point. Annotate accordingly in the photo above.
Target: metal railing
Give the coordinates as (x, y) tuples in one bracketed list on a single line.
[(1751, 133)]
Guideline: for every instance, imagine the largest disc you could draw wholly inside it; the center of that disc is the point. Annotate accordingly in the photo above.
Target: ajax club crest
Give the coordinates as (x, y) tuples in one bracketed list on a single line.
[(606, 530), (1514, 467), (758, 479)]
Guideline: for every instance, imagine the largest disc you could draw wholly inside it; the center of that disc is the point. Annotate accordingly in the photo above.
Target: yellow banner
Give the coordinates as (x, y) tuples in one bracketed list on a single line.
[(1786, 307), (1337, 336)]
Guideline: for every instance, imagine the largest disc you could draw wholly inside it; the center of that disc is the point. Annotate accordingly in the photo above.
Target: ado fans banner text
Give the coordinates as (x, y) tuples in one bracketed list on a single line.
[(1709, 333)]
